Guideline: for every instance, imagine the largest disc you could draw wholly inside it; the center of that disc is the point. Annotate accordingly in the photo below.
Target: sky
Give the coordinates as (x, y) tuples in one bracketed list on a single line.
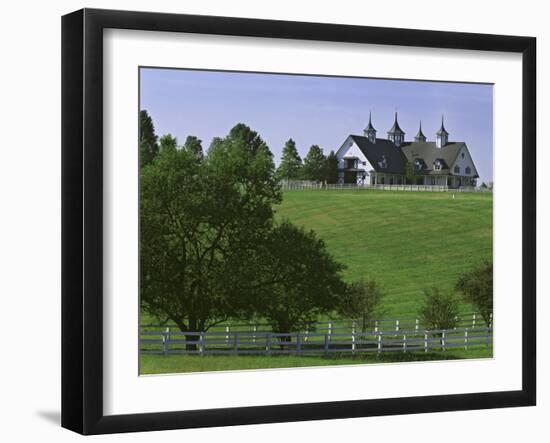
[(317, 110)]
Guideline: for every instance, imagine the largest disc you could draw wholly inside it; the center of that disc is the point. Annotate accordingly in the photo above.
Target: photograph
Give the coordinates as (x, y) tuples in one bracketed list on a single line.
[(291, 220)]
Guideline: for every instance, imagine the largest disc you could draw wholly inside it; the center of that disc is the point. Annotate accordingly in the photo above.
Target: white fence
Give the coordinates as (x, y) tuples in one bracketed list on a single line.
[(270, 343), (419, 188), (471, 320)]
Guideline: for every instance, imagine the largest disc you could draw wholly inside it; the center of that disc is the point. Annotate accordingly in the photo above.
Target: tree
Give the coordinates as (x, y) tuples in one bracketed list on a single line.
[(148, 147), (314, 164), (304, 279), (477, 288), (331, 164), (168, 142), (410, 172), (194, 145), (439, 310), (291, 162), (361, 301), (201, 223)]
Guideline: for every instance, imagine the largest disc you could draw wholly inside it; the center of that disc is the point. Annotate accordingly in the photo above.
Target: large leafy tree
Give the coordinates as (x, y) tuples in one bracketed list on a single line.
[(303, 279), (331, 164), (314, 164), (291, 162), (201, 223), (477, 287), (148, 147)]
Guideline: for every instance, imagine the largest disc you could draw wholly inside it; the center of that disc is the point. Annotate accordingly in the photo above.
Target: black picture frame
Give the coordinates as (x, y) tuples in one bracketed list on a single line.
[(82, 218)]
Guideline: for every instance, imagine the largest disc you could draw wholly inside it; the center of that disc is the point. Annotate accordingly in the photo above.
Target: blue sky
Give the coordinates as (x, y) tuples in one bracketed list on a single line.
[(314, 109)]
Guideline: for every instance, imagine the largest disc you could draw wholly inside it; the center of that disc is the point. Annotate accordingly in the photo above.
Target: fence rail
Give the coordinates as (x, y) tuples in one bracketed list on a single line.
[(268, 343), (402, 324), (419, 188)]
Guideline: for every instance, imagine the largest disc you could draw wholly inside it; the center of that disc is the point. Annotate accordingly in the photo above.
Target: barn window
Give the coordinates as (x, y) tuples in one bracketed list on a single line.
[(457, 169), (468, 170)]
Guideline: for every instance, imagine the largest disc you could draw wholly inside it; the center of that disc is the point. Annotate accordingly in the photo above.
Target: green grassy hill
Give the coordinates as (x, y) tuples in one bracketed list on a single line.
[(406, 240)]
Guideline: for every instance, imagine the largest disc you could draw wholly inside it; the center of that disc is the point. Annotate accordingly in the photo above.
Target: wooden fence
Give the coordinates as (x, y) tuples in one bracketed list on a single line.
[(418, 188), (269, 343), (404, 324)]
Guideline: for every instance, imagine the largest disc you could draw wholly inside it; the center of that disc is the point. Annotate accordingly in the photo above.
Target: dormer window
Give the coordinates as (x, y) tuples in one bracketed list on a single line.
[(438, 165), (418, 164), (383, 163), (457, 169)]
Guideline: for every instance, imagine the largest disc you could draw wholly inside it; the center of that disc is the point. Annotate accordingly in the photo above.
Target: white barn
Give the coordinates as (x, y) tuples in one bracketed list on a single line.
[(368, 160)]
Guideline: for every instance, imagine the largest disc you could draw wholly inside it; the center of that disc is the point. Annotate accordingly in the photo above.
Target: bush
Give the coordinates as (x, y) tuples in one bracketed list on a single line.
[(440, 310), (477, 288)]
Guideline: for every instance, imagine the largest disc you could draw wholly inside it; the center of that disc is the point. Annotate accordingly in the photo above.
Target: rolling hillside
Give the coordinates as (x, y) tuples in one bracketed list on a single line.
[(406, 240)]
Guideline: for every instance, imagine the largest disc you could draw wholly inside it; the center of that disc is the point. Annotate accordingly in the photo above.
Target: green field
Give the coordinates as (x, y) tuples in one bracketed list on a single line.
[(166, 364), (407, 241)]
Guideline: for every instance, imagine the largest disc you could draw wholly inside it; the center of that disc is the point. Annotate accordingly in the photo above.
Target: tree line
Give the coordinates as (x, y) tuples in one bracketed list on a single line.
[(212, 250), (316, 166)]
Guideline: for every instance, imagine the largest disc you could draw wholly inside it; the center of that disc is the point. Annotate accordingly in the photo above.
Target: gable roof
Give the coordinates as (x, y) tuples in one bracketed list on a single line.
[(396, 158), (429, 152), (375, 152)]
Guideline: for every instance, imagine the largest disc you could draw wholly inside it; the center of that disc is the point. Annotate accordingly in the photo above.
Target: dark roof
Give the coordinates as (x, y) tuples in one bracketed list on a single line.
[(376, 152), (395, 129), (420, 136), (442, 130), (429, 153), (369, 126), (396, 158)]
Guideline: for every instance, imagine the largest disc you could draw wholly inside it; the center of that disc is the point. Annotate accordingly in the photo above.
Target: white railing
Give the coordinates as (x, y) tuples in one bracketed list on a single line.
[(418, 188), (268, 343), (402, 324)]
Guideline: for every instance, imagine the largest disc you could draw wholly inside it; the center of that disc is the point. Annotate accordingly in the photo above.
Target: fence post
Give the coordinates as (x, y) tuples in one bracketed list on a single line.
[(201, 343), (466, 340), (326, 343), (306, 335), (405, 343), (329, 329), (353, 337), (426, 344), (164, 342), (397, 325), (473, 320), (268, 342), (416, 325), (376, 326), (235, 342), (456, 321), (443, 341), (227, 335), (254, 336), (379, 341)]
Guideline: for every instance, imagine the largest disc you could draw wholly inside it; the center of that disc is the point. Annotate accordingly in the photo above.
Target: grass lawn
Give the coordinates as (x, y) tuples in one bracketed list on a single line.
[(407, 241), (165, 364)]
